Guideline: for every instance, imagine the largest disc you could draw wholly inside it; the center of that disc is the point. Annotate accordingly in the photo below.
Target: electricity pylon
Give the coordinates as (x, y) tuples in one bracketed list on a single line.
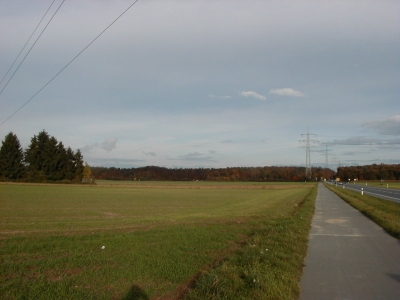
[(336, 161), (308, 143), (327, 153)]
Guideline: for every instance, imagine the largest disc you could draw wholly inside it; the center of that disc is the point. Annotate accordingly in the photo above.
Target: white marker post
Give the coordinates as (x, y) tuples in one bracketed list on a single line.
[(362, 191)]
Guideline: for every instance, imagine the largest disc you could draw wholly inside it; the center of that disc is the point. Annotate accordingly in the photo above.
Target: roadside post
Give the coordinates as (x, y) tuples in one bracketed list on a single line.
[(362, 191)]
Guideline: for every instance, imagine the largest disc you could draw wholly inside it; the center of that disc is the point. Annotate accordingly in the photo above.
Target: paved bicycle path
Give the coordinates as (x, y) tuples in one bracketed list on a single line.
[(349, 256)]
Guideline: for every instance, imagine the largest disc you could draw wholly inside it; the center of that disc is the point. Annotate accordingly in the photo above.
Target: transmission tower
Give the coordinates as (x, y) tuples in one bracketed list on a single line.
[(327, 152), (336, 161), (308, 143)]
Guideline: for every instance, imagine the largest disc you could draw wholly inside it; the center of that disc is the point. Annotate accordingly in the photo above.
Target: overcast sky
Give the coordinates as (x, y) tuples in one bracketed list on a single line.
[(206, 83)]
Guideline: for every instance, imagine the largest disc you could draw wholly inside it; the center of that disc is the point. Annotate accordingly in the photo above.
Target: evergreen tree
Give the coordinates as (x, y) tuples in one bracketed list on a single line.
[(36, 157), (49, 156), (45, 159), (78, 159), (59, 163), (11, 158), (70, 164)]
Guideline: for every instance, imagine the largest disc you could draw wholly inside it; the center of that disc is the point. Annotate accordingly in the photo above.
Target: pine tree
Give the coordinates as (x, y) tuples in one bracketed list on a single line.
[(70, 167), (78, 159), (37, 157), (48, 160), (11, 158), (60, 163)]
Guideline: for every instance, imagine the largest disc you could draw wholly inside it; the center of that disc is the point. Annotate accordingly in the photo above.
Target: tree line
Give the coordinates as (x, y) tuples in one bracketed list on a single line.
[(45, 160), (210, 174), (48, 160), (369, 172)]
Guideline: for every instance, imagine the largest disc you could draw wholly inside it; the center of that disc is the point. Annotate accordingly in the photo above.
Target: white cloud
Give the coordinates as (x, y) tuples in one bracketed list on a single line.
[(389, 126), (253, 94), (220, 97), (287, 92)]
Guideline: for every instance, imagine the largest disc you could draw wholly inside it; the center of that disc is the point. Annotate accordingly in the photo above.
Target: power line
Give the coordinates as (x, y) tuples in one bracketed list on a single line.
[(326, 152), (308, 144), (27, 42), (69, 62), (31, 48)]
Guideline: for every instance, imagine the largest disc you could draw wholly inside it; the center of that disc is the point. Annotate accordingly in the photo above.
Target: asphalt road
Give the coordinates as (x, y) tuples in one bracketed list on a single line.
[(383, 193), (349, 256)]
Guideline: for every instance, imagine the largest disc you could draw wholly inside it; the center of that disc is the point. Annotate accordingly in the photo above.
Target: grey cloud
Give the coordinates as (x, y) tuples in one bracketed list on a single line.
[(196, 156), (361, 140), (389, 126), (108, 145), (88, 148), (370, 161), (349, 153), (116, 162), (149, 153)]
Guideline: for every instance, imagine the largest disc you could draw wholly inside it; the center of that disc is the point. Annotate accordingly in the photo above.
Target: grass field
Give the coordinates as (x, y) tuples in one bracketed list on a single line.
[(159, 239)]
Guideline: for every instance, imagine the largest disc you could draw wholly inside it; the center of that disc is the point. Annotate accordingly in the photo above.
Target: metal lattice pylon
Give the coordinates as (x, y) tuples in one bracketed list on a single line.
[(308, 143)]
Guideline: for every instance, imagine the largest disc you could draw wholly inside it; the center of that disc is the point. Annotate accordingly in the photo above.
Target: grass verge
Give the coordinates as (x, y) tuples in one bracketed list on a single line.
[(383, 212), (393, 184), (268, 265)]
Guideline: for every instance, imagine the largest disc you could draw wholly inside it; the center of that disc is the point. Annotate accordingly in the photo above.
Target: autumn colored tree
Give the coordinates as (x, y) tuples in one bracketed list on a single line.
[(369, 172), (87, 174)]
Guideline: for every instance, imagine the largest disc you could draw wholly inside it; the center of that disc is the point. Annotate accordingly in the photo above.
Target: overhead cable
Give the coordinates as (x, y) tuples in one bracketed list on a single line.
[(27, 42), (68, 63), (31, 48)]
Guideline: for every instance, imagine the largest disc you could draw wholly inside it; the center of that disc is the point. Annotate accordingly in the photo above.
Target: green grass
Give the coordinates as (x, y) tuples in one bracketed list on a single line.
[(385, 213), (392, 184), (157, 240), (268, 265), (198, 184)]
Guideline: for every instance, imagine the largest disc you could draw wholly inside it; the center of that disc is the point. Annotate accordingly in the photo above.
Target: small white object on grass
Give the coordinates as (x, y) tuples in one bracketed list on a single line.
[(103, 247)]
